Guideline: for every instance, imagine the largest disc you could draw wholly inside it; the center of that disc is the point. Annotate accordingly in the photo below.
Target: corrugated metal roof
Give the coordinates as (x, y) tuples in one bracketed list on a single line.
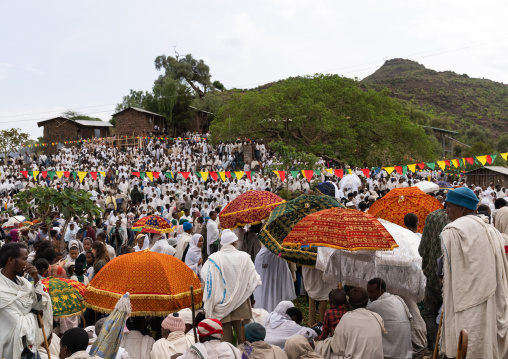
[(499, 169), (140, 110), (93, 123)]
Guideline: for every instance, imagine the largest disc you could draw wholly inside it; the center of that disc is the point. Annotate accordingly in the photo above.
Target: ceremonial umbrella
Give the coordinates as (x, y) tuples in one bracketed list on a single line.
[(250, 207), (284, 218), (158, 284), (80, 287), (444, 185), (341, 229), (109, 339), (427, 187), (401, 201), (65, 299), (11, 221), (152, 224)]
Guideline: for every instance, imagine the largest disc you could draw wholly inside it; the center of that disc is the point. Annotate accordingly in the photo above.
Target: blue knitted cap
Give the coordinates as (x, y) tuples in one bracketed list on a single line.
[(463, 197)]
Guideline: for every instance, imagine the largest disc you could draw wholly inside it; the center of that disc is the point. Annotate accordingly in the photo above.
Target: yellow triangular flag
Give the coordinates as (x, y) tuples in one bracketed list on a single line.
[(36, 173), (59, 174), (482, 159), (239, 174), (389, 170), (329, 170), (349, 170), (150, 175), (81, 175), (412, 167), (223, 176), (456, 163), (204, 175), (277, 173), (504, 155), (441, 164), (103, 174)]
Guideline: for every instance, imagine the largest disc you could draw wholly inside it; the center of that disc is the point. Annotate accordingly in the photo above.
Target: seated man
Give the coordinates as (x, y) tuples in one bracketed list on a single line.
[(255, 347), (173, 339), (359, 334), (395, 314), (73, 344), (210, 345)]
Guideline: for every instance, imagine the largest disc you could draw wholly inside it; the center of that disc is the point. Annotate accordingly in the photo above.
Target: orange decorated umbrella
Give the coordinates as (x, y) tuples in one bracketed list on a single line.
[(152, 224), (401, 201), (250, 207), (158, 284), (80, 287), (340, 228)]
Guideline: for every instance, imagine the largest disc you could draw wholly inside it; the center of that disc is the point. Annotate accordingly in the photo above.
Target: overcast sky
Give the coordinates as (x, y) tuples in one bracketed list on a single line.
[(86, 55)]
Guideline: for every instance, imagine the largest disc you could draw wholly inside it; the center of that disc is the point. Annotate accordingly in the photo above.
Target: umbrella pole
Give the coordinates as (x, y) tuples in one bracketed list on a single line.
[(435, 355), (41, 325), (193, 315)]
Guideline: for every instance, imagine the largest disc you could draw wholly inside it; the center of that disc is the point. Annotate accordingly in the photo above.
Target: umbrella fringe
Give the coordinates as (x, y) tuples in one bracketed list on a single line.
[(298, 246), (136, 314), (252, 209), (69, 315), (243, 224), (144, 296)]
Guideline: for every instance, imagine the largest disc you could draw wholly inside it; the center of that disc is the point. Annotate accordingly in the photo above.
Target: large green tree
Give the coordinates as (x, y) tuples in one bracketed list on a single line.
[(330, 116), (11, 141)]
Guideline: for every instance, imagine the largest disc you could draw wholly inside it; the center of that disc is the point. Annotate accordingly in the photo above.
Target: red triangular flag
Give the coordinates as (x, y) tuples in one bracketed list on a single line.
[(308, 174), (398, 169), (470, 160), (228, 174), (155, 174), (44, 174), (214, 175), (339, 173), (489, 159), (67, 174), (24, 173), (94, 175), (248, 175), (366, 172), (282, 175), (447, 162), (421, 165), (135, 174), (185, 175)]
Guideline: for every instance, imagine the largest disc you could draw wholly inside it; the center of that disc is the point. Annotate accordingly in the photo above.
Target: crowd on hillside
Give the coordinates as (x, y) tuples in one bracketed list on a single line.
[(250, 310)]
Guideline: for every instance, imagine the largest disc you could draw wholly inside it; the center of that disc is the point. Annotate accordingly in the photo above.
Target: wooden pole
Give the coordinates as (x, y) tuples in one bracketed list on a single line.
[(41, 325), (462, 346), (193, 315), (436, 354)]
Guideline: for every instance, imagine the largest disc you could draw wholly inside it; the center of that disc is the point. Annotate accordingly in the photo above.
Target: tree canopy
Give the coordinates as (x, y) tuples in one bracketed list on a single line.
[(329, 116), (11, 141), (73, 115)]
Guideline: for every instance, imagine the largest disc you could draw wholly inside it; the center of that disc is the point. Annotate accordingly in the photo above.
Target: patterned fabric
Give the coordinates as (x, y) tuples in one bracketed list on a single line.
[(108, 340), (340, 228), (65, 299), (332, 318), (430, 246), (401, 201), (284, 218), (249, 208), (444, 185), (326, 188), (80, 287), (210, 327), (158, 284), (152, 224)]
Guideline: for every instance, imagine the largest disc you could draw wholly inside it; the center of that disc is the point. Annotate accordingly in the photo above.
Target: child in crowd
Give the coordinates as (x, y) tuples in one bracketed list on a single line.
[(338, 305)]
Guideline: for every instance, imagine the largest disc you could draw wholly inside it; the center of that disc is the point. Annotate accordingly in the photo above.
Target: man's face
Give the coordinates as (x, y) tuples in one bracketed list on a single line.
[(454, 212), (373, 291), (20, 262)]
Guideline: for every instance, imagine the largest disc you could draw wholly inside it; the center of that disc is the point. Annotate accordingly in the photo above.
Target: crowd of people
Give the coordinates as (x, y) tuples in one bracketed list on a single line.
[(250, 304)]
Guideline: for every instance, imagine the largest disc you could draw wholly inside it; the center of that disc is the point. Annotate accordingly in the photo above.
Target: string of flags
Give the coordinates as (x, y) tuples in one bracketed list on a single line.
[(45, 144)]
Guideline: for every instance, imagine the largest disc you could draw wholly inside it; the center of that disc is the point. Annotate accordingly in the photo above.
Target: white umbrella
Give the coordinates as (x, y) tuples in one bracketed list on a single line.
[(350, 181), (427, 187), (12, 221)]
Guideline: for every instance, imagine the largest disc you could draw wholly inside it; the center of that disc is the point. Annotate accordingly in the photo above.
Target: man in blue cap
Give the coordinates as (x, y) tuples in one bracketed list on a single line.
[(183, 240), (475, 286)]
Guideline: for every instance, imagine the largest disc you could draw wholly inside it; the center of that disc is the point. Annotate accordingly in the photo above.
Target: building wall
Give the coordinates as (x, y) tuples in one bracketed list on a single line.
[(483, 177), (135, 123)]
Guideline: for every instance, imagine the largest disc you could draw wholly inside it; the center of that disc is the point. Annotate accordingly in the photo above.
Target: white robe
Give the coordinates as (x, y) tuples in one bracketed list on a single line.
[(138, 346), (162, 246), (16, 302), (183, 241), (395, 314), (230, 279), (277, 282), (177, 342), (475, 288), (213, 349)]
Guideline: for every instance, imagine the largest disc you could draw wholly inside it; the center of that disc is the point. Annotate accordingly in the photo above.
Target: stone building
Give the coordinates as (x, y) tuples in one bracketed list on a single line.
[(486, 175), (138, 122), (61, 129)]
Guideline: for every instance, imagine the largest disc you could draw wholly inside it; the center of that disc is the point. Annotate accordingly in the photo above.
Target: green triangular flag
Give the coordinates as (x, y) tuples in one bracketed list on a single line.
[(493, 158), (51, 174), (476, 161), (168, 175), (233, 175), (31, 173), (317, 172), (142, 175), (198, 174), (294, 174), (74, 174), (404, 170), (431, 165)]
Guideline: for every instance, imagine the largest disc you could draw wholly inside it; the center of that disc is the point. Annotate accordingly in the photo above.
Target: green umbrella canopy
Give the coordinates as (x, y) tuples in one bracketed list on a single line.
[(284, 218), (65, 299)]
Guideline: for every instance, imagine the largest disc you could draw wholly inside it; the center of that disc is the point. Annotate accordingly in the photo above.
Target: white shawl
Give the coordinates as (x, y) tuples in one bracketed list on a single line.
[(194, 254), (230, 279)]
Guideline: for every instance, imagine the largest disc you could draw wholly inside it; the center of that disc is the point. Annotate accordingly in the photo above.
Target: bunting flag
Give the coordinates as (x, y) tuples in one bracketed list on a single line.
[(441, 164), (349, 170), (389, 170), (470, 160), (36, 173), (44, 174), (204, 175), (404, 170), (169, 175), (24, 173), (228, 174), (239, 174), (281, 175), (317, 172), (142, 175), (482, 159), (103, 174), (150, 176), (51, 175), (431, 165), (339, 173), (493, 157), (456, 163), (329, 170), (412, 167), (505, 156), (185, 175), (398, 169), (74, 174), (294, 174), (59, 174), (214, 175), (94, 175), (82, 176), (135, 174), (222, 176), (366, 172), (248, 175), (308, 174), (421, 165), (156, 175)]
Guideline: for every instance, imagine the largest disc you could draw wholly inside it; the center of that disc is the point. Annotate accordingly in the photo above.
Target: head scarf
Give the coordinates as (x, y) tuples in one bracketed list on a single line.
[(501, 222), (279, 316), (255, 332), (228, 237), (210, 327), (146, 243), (298, 347), (194, 252)]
